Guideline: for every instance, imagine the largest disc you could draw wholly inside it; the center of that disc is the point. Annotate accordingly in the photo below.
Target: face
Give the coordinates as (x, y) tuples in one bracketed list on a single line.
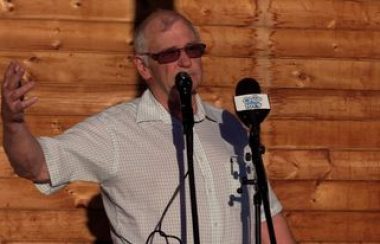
[(160, 78)]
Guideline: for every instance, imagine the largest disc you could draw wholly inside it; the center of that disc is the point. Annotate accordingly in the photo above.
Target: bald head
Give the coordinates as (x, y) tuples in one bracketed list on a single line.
[(158, 21)]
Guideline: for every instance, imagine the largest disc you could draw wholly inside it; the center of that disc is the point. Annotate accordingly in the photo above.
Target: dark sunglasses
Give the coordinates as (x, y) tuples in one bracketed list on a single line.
[(171, 55)]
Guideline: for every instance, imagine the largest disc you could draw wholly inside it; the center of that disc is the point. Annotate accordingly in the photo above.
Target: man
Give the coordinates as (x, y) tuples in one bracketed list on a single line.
[(135, 150)]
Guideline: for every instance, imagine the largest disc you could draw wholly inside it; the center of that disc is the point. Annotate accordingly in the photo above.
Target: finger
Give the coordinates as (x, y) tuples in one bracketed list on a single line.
[(9, 71), (20, 106), (15, 81), (13, 77), (22, 91), (29, 102)]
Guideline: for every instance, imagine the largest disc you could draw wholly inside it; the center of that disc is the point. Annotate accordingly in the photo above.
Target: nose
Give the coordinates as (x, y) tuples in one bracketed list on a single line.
[(184, 60)]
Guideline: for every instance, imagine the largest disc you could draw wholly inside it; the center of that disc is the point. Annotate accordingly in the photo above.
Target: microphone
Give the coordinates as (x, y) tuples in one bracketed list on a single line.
[(184, 85), (251, 106)]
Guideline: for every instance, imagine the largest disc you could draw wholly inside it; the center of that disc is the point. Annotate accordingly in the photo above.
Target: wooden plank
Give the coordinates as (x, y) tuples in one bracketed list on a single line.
[(227, 71), (284, 133), (53, 225), (116, 10), (74, 67), (355, 165), (200, 12), (75, 195), (30, 35), (291, 164), (325, 43), (323, 164), (326, 14), (222, 41), (325, 104), (339, 226), (318, 14), (222, 12), (77, 99), (324, 73), (328, 195)]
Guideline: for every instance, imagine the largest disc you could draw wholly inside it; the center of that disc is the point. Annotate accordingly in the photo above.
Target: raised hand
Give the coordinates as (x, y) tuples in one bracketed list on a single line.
[(13, 93)]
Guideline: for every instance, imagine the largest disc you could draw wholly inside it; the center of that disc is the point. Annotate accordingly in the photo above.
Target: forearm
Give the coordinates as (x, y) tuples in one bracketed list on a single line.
[(24, 152), (282, 231)]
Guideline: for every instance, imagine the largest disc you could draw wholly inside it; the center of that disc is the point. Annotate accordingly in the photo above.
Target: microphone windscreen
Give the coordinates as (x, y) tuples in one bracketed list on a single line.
[(251, 106), (247, 86)]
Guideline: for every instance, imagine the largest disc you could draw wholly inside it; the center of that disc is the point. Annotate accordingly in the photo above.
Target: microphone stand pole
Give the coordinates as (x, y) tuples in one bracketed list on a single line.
[(188, 124), (261, 186)]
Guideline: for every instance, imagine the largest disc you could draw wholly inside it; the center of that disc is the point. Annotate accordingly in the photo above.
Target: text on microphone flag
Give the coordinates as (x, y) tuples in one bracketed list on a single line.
[(251, 102)]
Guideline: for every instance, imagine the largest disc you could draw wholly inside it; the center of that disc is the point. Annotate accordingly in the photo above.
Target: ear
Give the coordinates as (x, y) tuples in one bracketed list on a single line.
[(142, 68)]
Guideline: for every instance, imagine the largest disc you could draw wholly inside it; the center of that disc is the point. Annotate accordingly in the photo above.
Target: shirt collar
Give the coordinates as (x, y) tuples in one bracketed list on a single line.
[(149, 109)]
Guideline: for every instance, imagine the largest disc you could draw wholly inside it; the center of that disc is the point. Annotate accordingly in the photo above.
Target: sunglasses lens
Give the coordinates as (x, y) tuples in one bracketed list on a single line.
[(172, 55), (168, 56), (195, 50)]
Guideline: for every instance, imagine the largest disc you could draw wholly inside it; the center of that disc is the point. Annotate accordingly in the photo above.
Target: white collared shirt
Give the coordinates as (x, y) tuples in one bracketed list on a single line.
[(136, 152)]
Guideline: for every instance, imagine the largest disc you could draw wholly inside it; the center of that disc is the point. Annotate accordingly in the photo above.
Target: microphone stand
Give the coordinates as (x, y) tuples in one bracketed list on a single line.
[(261, 185), (188, 124)]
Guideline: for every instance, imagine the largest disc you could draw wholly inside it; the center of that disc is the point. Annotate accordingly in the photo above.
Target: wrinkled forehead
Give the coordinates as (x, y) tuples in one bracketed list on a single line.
[(161, 23), (169, 35)]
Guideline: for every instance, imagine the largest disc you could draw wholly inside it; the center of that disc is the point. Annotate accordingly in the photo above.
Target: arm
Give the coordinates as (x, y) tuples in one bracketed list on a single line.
[(23, 150), (281, 229)]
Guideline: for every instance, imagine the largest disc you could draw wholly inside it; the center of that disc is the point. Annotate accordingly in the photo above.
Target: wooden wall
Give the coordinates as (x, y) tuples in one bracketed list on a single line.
[(319, 60)]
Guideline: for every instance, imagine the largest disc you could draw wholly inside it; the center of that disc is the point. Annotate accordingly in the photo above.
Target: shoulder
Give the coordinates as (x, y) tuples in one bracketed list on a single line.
[(121, 113)]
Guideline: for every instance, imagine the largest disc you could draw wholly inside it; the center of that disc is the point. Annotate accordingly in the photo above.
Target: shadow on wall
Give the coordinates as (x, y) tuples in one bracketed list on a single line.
[(142, 10), (98, 223)]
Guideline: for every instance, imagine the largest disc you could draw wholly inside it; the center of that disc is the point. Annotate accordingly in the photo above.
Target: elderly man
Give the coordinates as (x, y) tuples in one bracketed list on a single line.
[(135, 150)]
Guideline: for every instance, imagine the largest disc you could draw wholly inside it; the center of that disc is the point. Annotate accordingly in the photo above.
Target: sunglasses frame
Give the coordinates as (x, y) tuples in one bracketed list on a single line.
[(176, 52)]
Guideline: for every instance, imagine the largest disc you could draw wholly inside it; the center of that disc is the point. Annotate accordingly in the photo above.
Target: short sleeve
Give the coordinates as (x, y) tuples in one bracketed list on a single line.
[(85, 152)]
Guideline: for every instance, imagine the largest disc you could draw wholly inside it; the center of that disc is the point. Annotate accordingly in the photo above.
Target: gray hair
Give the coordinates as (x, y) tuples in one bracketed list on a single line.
[(166, 19)]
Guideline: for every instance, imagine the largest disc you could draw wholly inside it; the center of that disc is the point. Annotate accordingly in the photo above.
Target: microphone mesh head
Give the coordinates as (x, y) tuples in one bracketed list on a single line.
[(250, 117), (247, 86)]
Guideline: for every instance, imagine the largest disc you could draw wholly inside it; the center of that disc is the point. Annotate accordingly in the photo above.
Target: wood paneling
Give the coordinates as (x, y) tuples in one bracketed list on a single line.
[(74, 67), (326, 14), (222, 12), (115, 10), (237, 41), (317, 59), (37, 225), (325, 43), (323, 164), (339, 226), (328, 195), (321, 134), (28, 35)]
